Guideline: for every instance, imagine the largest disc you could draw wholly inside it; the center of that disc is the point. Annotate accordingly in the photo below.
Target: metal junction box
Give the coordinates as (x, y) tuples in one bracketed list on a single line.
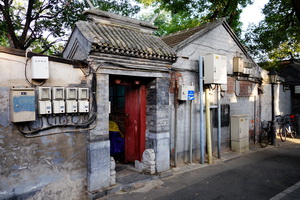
[(186, 92), (83, 106), (239, 133), (83, 100), (238, 65), (58, 100), (22, 104), (71, 100), (40, 67), (215, 69), (45, 106)]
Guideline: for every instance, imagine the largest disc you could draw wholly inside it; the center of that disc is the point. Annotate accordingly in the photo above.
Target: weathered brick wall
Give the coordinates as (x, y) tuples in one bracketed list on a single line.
[(230, 85), (52, 166), (158, 128)]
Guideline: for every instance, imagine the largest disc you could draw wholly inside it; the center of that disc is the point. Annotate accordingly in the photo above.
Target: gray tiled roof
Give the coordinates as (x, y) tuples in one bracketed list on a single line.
[(121, 40), (177, 38)]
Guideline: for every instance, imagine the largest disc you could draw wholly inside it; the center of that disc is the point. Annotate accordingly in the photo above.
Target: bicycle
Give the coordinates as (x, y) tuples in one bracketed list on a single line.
[(288, 129), (265, 133), (279, 123)]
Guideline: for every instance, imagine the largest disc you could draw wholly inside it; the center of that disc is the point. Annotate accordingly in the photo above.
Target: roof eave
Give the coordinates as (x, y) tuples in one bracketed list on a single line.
[(237, 41)]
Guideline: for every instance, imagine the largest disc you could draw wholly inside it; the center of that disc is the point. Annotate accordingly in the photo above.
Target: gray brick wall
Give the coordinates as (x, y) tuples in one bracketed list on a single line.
[(158, 135)]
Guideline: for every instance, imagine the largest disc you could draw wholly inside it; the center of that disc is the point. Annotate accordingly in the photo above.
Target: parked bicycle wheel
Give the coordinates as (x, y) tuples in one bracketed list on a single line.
[(263, 138), (293, 132), (282, 134)]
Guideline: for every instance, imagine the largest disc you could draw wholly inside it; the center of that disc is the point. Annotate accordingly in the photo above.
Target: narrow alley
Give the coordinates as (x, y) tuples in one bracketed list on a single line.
[(258, 174)]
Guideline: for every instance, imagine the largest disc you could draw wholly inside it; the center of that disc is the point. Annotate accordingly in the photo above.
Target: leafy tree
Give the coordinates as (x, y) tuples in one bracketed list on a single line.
[(44, 26), (168, 23), (277, 37), (189, 13)]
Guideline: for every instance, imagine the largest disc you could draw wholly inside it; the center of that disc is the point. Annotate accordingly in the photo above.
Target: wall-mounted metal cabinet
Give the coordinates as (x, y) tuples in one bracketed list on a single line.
[(22, 104), (215, 69)]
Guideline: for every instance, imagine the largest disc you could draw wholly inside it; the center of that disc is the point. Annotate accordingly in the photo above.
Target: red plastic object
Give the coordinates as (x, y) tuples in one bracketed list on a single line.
[(292, 117)]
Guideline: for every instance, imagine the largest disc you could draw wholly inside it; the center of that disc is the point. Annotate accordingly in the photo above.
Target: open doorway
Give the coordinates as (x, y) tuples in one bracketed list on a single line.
[(127, 96)]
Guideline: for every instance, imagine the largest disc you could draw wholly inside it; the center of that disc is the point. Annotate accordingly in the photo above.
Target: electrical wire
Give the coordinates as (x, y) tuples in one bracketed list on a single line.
[(83, 125), (72, 119), (89, 68), (213, 88), (56, 133), (90, 120), (47, 118)]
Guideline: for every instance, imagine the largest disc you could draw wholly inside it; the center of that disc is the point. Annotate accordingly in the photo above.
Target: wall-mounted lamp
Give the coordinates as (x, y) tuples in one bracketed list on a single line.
[(117, 81), (273, 76)]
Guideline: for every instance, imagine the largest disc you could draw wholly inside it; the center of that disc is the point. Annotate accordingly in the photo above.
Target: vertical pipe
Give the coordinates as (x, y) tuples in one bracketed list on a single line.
[(208, 126), (175, 123), (272, 123), (201, 110), (219, 122), (191, 135), (254, 132)]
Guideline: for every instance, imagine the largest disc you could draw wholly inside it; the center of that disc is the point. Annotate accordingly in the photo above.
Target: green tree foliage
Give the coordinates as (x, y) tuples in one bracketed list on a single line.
[(189, 13), (44, 26), (277, 37)]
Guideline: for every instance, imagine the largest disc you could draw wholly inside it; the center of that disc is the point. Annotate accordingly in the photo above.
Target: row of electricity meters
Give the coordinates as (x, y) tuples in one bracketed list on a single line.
[(58, 100)]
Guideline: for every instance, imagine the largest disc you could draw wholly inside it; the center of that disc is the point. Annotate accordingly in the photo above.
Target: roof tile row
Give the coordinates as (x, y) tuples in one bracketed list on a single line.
[(124, 41)]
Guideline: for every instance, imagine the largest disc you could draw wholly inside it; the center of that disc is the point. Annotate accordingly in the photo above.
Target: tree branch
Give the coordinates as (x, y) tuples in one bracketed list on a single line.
[(296, 8), (48, 46), (27, 21), (13, 40)]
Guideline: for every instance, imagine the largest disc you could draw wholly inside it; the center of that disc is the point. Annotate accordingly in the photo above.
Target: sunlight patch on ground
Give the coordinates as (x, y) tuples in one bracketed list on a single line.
[(293, 140)]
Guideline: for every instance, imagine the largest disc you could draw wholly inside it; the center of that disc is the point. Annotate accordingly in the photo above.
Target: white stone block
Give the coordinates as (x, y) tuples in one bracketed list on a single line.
[(149, 155), (139, 165), (112, 163)]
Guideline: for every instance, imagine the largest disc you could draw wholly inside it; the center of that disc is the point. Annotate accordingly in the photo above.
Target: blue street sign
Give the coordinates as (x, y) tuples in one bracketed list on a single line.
[(191, 95)]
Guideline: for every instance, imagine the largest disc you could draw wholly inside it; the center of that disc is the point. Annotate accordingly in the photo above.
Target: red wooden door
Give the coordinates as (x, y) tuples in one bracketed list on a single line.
[(135, 122)]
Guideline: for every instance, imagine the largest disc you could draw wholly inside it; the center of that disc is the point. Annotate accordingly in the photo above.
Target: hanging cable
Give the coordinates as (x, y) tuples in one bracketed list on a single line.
[(84, 124)]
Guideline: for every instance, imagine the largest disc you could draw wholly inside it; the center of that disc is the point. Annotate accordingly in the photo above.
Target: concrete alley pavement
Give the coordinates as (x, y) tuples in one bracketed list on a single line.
[(270, 173)]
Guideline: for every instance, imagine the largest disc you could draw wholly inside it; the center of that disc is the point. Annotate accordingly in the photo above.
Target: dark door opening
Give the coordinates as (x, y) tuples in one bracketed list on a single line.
[(127, 119)]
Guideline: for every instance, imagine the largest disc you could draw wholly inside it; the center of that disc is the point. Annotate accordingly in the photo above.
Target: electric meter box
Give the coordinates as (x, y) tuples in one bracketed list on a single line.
[(58, 100), (83, 93), (58, 93), (71, 106), (39, 67), (44, 103), (186, 92), (45, 93), (71, 93), (45, 107), (83, 103), (71, 100), (215, 69), (83, 106), (247, 71), (22, 105), (238, 65)]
